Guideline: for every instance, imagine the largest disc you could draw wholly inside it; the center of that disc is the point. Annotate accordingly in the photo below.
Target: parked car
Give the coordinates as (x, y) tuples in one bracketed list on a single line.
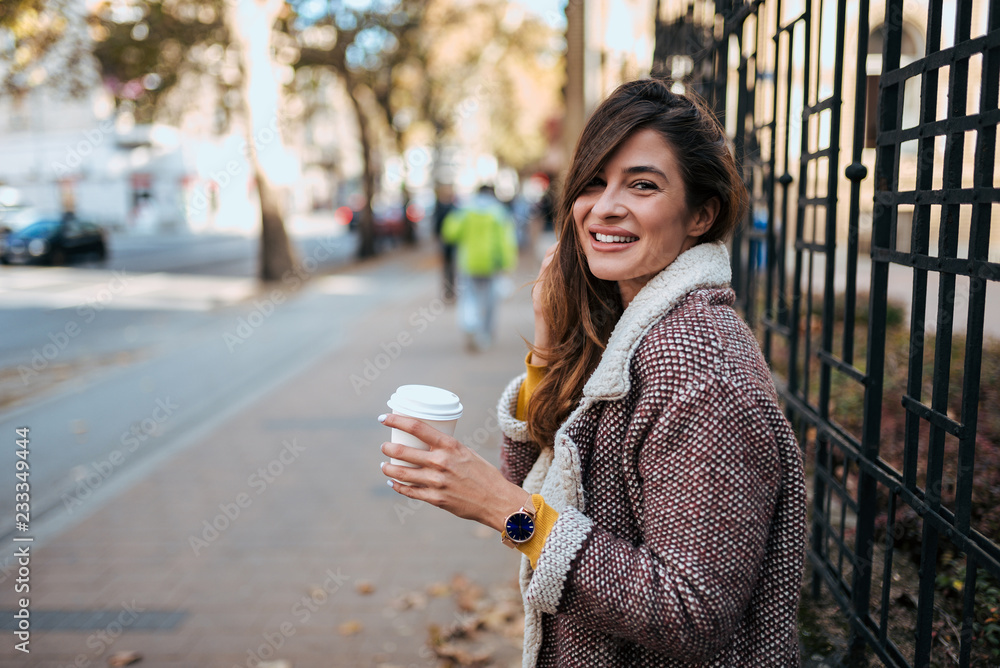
[(54, 242)]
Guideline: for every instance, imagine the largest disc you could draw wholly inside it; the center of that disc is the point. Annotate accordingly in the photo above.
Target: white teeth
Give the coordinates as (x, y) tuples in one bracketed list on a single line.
[(609, 239)]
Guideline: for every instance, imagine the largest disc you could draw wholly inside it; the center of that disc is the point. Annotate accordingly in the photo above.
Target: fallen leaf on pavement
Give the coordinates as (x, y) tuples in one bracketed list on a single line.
[(410, 600), (488, 627), (438, 589), (467, 594), (124, 658), (462, 657), (349, 628)]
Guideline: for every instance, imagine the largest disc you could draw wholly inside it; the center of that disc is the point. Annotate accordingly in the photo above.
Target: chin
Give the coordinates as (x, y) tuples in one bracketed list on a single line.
[(606, 273)]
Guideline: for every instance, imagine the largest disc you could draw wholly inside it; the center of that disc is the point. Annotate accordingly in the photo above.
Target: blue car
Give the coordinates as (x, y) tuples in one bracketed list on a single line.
[(54, 242)]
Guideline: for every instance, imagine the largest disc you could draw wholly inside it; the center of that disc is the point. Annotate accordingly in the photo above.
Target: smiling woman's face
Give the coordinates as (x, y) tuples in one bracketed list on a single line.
[(632, 219)]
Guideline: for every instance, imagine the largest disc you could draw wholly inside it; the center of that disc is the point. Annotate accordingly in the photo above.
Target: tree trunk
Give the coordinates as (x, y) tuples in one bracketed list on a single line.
[(250, 24), (276, 257), (409, 227), (366, 226)]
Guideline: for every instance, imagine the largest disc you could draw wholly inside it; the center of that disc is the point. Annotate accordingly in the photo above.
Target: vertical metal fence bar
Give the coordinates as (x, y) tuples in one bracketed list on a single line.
[(867, 487), (947, 247), (785, 316), (856, 172), (883, 625), (734, 34), (828, 205), (968, 613), (984, 169), (770, 78), (974, 329), (883, 218), (820, 498), (920, 244)]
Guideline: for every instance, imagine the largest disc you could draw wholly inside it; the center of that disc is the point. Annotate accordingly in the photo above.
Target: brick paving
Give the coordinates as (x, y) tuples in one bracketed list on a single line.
[(312, 558)]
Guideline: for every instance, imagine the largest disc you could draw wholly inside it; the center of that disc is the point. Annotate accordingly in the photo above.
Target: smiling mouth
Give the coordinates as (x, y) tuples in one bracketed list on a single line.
[(614, 239)]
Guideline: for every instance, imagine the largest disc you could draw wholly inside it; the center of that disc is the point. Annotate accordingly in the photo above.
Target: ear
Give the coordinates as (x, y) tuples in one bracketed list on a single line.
[(704, 217)]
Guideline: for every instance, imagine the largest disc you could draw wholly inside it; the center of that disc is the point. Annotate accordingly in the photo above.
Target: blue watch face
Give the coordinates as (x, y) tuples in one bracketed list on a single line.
[(520, 527)]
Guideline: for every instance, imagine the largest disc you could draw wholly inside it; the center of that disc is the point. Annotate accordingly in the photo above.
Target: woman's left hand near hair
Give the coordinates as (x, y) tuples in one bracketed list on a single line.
[(451, 476)]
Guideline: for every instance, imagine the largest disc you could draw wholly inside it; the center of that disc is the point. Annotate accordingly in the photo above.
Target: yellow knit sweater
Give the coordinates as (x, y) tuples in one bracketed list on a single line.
[(545, 516)]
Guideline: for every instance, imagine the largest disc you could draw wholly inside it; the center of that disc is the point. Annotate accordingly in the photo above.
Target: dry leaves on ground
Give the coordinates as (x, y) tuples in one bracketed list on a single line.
[(124, 658), (350, 627), (488, 628)]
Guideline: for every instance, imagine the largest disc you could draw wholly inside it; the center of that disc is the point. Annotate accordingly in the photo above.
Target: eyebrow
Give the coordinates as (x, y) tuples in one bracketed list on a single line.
[(646, 169)]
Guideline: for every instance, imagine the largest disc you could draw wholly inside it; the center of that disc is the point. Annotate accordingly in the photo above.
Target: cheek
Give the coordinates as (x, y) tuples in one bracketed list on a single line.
[(580, 209)]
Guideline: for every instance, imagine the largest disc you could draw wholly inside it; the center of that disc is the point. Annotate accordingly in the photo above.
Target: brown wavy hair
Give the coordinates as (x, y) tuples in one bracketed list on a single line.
[(581, 309)]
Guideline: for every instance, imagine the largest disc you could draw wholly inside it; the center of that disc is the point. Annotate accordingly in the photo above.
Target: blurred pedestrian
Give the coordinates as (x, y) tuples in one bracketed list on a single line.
[(648, 474), (483, 232), (443, 205)]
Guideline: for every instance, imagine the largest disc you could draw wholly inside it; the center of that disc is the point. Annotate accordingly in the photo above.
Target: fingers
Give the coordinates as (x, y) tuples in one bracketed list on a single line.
[(546, 261), (412, 483), (549, 252), (424, 482), (423, 431), (408, 454), (403, 474)]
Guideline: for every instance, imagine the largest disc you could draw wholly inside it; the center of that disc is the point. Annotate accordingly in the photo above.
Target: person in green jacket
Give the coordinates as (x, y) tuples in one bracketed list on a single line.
[(483, 231)]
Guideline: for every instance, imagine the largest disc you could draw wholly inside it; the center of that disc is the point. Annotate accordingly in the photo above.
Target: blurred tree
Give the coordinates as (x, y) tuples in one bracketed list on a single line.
[(493, 60), (414, 71), (149, 50), (39, 47), (398, 37), (341, 37), (417, 68), (250, 23)]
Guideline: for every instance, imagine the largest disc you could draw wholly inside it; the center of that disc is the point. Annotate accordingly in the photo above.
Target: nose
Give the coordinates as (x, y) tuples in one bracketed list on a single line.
[(609, 204)]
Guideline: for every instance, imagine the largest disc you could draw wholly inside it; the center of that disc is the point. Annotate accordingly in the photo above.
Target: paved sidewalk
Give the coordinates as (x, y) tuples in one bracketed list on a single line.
[(275, 538)]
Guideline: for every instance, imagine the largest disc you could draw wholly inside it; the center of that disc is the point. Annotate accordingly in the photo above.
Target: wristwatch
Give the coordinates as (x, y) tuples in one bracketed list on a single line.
[(520, 526)]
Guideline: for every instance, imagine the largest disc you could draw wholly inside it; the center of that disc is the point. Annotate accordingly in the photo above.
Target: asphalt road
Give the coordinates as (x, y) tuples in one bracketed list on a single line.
[(107, 364)]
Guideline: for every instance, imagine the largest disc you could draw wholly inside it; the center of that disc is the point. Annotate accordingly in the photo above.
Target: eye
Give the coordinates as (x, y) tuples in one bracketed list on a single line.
[(645, 185), (596, 182)]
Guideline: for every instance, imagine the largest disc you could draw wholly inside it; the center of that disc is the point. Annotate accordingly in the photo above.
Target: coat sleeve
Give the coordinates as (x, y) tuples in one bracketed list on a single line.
[(518, 452), (708, 479)]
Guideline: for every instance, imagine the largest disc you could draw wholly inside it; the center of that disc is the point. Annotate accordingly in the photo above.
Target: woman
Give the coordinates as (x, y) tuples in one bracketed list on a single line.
[(667, 494)]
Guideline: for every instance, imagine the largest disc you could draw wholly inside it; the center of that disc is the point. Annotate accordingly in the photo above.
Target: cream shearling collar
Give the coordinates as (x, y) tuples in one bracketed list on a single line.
[(704, 266)]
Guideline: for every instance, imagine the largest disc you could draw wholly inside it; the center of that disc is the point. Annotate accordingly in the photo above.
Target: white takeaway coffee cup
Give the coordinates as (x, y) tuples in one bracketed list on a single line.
[(433, 405)]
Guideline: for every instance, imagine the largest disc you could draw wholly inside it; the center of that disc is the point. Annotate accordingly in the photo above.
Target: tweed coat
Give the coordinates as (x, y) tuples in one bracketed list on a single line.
[(679, 484)]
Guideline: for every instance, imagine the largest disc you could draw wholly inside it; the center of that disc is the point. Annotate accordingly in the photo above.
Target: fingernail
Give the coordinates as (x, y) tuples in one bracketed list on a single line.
[(382, 417), (381, 465), (388, 482)]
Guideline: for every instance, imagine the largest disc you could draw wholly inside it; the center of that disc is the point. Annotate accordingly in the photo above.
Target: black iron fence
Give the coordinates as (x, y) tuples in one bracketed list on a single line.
[(866, 132)]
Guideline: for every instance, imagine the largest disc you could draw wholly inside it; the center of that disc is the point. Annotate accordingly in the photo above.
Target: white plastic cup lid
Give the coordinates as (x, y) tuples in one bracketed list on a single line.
[(426, 402)]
